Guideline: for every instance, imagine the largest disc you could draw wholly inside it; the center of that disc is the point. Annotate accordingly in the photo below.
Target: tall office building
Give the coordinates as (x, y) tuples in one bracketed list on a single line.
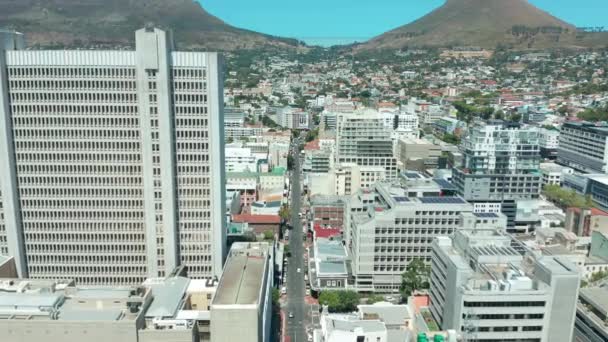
[(112, 161), (500, 166), (485, 288), (363, 139)]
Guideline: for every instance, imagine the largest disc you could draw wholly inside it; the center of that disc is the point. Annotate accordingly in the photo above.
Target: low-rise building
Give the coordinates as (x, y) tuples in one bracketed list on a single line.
[(583, 222), (413, 152), (552, 174), (329, 265)]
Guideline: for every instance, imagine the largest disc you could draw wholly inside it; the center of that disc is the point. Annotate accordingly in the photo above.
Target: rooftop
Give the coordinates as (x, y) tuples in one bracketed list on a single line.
[(244, 272), (168, 296)]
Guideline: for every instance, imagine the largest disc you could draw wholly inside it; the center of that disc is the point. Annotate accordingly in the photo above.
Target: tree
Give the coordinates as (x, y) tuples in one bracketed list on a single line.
[(416, 277), (284, 212), (375, 298), (230, 140), (566, 198), (515, 117), (499, 115), (486, 113), (290, 162), (451, 139), (276, 295), (339, 301), (269, 235)]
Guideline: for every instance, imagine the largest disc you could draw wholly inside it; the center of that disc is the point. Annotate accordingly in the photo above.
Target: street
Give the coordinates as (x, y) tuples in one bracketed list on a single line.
[(295, 279)]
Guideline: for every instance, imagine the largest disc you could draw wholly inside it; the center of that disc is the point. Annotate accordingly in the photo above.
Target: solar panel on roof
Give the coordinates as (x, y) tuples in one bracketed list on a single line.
[(444, 184), (486, 215), (442, 200), (401, 199)]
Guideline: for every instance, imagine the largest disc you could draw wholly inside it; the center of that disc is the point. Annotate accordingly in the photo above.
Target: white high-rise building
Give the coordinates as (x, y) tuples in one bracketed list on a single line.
[(112, 161), (363, 139)]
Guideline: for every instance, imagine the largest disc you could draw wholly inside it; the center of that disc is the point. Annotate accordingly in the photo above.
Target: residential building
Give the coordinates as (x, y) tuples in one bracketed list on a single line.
[(243, 132), (583, 147), (385, 230), (362, 139), (552, 174), (489, 291), (247, 184), (548, 141), (500, 165), (125, 180), (242, 306), (591, 315)]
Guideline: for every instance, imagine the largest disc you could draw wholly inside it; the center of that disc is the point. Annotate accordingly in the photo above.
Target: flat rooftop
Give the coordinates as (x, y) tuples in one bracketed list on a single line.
[(62, 301), (243, 276), (596, 296)]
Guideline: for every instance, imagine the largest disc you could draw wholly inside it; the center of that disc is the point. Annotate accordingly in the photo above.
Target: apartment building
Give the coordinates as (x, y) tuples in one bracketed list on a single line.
[(362, 139), (385, 230), (500, 164), (489, 288), (294, 118), (112, 161), (583, 147)]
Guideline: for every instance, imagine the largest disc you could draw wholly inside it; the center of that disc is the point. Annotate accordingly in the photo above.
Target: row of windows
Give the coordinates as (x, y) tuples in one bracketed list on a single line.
[(113, 259), (83, 203), (189, 73), (75, 180), (73, 214), (80, 71), (60, 110), (504, 316), (502, 304), (196, 86), (189, 98), (84, 192), (77, 145), (84, 226), (73, 133), (54, 85), (77, 121), (63, 97), (83, 168), (114, 158)]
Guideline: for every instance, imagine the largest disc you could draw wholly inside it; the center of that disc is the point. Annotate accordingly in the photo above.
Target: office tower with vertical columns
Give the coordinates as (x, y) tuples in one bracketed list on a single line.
[(113, 162)]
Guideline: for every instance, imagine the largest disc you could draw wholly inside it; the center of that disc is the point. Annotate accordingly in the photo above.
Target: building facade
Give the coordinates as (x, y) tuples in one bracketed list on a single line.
[(113, 161), (500, 165), (486, 289), (362, 139), (583, 147), (385, 230)]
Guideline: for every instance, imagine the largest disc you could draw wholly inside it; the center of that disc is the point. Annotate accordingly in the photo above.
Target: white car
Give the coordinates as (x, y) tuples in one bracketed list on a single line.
[(299, 270), (283, 290)]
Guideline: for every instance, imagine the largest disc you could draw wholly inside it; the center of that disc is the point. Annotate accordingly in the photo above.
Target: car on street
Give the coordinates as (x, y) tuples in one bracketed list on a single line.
[(284, 290), (291, 315), (299, 270)]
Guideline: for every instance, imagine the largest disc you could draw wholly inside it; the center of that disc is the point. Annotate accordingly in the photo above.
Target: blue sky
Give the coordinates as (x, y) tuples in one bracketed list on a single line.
[(349, 20)]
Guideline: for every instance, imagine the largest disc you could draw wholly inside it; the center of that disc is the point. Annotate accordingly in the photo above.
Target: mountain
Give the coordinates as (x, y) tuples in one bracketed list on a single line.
[(484, 23), (113, 22)]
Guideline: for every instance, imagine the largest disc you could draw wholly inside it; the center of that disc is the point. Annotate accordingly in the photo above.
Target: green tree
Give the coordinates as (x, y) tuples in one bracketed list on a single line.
[(269, 235), (416, 277), (276, 295), (564, 198), (339, 301), (451, 138), (499, 115), (290, 162), (374, 299), (515, 117), (284, 212)]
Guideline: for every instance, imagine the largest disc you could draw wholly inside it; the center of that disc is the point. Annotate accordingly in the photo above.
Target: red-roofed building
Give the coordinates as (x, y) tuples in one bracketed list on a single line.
[(259, 223), (326, 232), (312, 145), (583, 221)]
